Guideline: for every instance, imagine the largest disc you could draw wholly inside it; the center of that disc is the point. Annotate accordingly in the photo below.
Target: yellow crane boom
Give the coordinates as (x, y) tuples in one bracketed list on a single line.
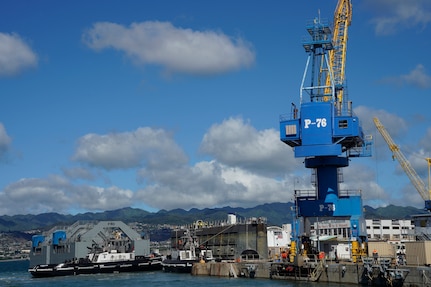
[(405, 164), (337, 56)]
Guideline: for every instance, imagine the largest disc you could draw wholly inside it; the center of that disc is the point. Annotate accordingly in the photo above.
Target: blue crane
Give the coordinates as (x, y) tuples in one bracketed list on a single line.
[(326, 133)]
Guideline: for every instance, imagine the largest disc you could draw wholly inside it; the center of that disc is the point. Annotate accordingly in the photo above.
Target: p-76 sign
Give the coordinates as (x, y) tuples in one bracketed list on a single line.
[(319, 123)]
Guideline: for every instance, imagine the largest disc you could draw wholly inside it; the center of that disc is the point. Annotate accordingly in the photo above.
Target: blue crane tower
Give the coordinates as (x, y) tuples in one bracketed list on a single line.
[(327, 134)]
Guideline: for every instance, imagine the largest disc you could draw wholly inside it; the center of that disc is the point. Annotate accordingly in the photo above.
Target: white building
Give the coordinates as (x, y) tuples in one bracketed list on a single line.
[(331, 228), (395, 230), (278, 240), (390, 229), (327, 234)]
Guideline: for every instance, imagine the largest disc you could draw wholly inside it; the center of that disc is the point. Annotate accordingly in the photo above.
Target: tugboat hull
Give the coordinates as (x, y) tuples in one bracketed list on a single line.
[(67, 269), (178, 266)]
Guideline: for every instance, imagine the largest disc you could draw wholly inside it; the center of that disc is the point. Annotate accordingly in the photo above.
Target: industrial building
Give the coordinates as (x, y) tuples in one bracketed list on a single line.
[(395, 230), (229, 240)]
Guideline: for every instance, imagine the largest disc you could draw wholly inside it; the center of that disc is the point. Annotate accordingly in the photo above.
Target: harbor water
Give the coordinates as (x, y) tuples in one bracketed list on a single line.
[(15, 274)]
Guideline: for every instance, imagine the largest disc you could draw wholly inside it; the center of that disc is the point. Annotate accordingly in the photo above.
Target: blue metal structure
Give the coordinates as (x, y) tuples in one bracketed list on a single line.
[(326, 133), (58, 237)]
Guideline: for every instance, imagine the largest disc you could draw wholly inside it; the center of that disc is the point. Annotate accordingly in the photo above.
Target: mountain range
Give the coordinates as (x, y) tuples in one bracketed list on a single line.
[(275, 213)]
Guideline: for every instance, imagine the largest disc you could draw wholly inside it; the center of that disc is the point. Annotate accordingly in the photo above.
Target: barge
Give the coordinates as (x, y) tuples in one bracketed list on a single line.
[(91, 247)]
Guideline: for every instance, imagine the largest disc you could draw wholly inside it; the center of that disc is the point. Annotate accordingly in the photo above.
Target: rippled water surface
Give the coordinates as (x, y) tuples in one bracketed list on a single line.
[(14, 273)]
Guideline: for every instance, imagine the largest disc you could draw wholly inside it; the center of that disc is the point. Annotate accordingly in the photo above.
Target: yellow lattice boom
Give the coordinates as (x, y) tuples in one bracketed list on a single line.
[(405, 164), (337, 56)]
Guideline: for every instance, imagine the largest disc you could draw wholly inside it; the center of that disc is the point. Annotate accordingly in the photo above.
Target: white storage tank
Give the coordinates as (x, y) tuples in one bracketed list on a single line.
[(231, 218)]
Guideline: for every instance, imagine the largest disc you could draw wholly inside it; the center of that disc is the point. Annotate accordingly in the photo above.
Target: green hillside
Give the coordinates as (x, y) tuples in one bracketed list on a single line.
[(276, 214)]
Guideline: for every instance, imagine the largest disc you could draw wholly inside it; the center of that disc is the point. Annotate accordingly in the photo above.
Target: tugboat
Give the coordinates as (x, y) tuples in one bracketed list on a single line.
[(104, 262), (188, 252), (100, 262)]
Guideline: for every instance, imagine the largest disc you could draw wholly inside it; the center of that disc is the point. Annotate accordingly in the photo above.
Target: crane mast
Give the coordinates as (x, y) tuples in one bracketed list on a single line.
[(405, 164), (337, 56), (326, 133)]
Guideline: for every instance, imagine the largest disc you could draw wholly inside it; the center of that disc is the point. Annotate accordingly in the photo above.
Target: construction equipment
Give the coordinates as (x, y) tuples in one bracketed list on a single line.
[(407, 167), (325, 132)]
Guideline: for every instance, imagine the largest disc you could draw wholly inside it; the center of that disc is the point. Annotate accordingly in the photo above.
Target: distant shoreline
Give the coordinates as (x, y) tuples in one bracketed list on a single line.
[(15, 259)]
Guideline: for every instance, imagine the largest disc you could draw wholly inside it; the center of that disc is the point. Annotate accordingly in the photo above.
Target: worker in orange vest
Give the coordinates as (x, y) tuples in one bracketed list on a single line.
[(284, 255), (375, 255)]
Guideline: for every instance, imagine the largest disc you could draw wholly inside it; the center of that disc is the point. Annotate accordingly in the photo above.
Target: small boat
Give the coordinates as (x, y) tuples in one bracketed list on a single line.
[(183, 263), (188, 252), (103, 262)]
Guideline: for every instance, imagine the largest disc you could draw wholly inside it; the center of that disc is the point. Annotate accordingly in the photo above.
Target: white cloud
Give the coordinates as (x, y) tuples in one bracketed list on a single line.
[(35, 195), (176, 49), (237, 143), (247, 167), (419, 165), (15, 55), (144, 146), (395, 125), (211, 184), (417, 77), (57, 194), (395, 15), (102, 198), (374, 188), (408, 196), (360, 178), (242, 173), (250, 167)]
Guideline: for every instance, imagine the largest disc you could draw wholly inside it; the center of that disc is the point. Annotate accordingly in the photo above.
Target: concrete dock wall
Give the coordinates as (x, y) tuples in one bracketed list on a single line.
[(232, 269), (419, 276), (332, 273), (344, 273)]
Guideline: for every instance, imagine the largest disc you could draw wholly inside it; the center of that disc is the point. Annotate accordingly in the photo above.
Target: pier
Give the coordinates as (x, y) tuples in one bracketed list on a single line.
[(322, 271)]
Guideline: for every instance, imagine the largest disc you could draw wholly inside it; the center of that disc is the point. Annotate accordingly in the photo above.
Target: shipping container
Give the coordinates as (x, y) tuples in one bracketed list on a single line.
[(383, 248), (418, 252)]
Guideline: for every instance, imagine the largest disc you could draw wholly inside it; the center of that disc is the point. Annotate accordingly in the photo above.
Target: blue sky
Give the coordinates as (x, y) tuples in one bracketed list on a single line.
[(176, 104)]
